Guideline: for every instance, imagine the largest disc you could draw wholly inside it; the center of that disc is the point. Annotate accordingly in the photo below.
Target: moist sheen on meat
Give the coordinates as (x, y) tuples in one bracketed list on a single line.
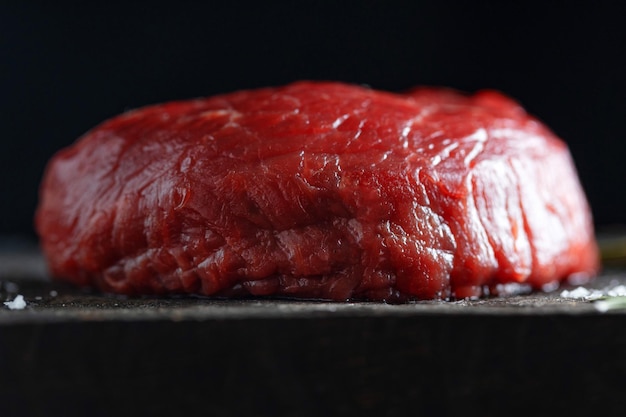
[(318, 190)]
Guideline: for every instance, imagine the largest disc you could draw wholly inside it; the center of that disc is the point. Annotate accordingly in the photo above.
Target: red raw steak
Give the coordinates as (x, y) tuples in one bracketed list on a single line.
[(318, 190)]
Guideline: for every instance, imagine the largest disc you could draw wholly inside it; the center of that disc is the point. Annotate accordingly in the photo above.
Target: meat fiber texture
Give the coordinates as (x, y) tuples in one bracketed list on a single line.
[(320, 191)]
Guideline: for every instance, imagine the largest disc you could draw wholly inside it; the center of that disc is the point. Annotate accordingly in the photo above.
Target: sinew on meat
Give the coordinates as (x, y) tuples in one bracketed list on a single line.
[(318, 190)]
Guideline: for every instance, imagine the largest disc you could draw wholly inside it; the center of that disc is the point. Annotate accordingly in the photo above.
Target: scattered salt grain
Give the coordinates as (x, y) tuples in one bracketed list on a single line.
[(611, 297), (18, 303), (602, 306), (593, 294), (618, 291), (584, 293), (53, 293)]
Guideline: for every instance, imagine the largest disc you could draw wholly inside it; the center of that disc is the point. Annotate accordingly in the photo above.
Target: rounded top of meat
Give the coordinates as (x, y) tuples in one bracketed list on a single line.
[(318, 190)]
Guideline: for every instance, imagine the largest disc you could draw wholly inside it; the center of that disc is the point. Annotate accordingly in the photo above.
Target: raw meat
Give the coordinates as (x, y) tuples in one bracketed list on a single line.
[(318, 190)]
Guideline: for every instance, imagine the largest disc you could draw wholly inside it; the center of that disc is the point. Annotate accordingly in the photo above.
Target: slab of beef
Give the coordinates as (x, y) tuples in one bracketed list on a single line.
[(318, 190)]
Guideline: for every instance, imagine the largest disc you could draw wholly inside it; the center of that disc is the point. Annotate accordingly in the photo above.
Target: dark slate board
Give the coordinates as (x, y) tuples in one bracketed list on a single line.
[(72, 352)]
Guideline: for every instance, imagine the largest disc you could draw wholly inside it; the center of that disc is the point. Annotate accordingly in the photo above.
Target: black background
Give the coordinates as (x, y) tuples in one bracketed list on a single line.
[(66, 66)]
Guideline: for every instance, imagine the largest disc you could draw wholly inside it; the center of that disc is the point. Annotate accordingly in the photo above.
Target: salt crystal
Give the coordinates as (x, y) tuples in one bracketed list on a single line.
[(595, 295), (584, 293), (618, 291), (601, 306), (580, 292), (18, 303)]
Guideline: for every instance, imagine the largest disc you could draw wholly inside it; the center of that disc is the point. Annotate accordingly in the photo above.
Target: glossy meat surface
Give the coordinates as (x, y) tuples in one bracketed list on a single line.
[(318, 190)]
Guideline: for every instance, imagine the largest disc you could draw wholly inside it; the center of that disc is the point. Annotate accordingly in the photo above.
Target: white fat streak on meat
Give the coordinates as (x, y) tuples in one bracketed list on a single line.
[(479, 138), (408, 126), (360, 129), (445, 153), (339, 121)]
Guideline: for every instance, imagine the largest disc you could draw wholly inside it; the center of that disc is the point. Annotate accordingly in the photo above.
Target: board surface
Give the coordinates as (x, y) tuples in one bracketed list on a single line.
[(73, 352)]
